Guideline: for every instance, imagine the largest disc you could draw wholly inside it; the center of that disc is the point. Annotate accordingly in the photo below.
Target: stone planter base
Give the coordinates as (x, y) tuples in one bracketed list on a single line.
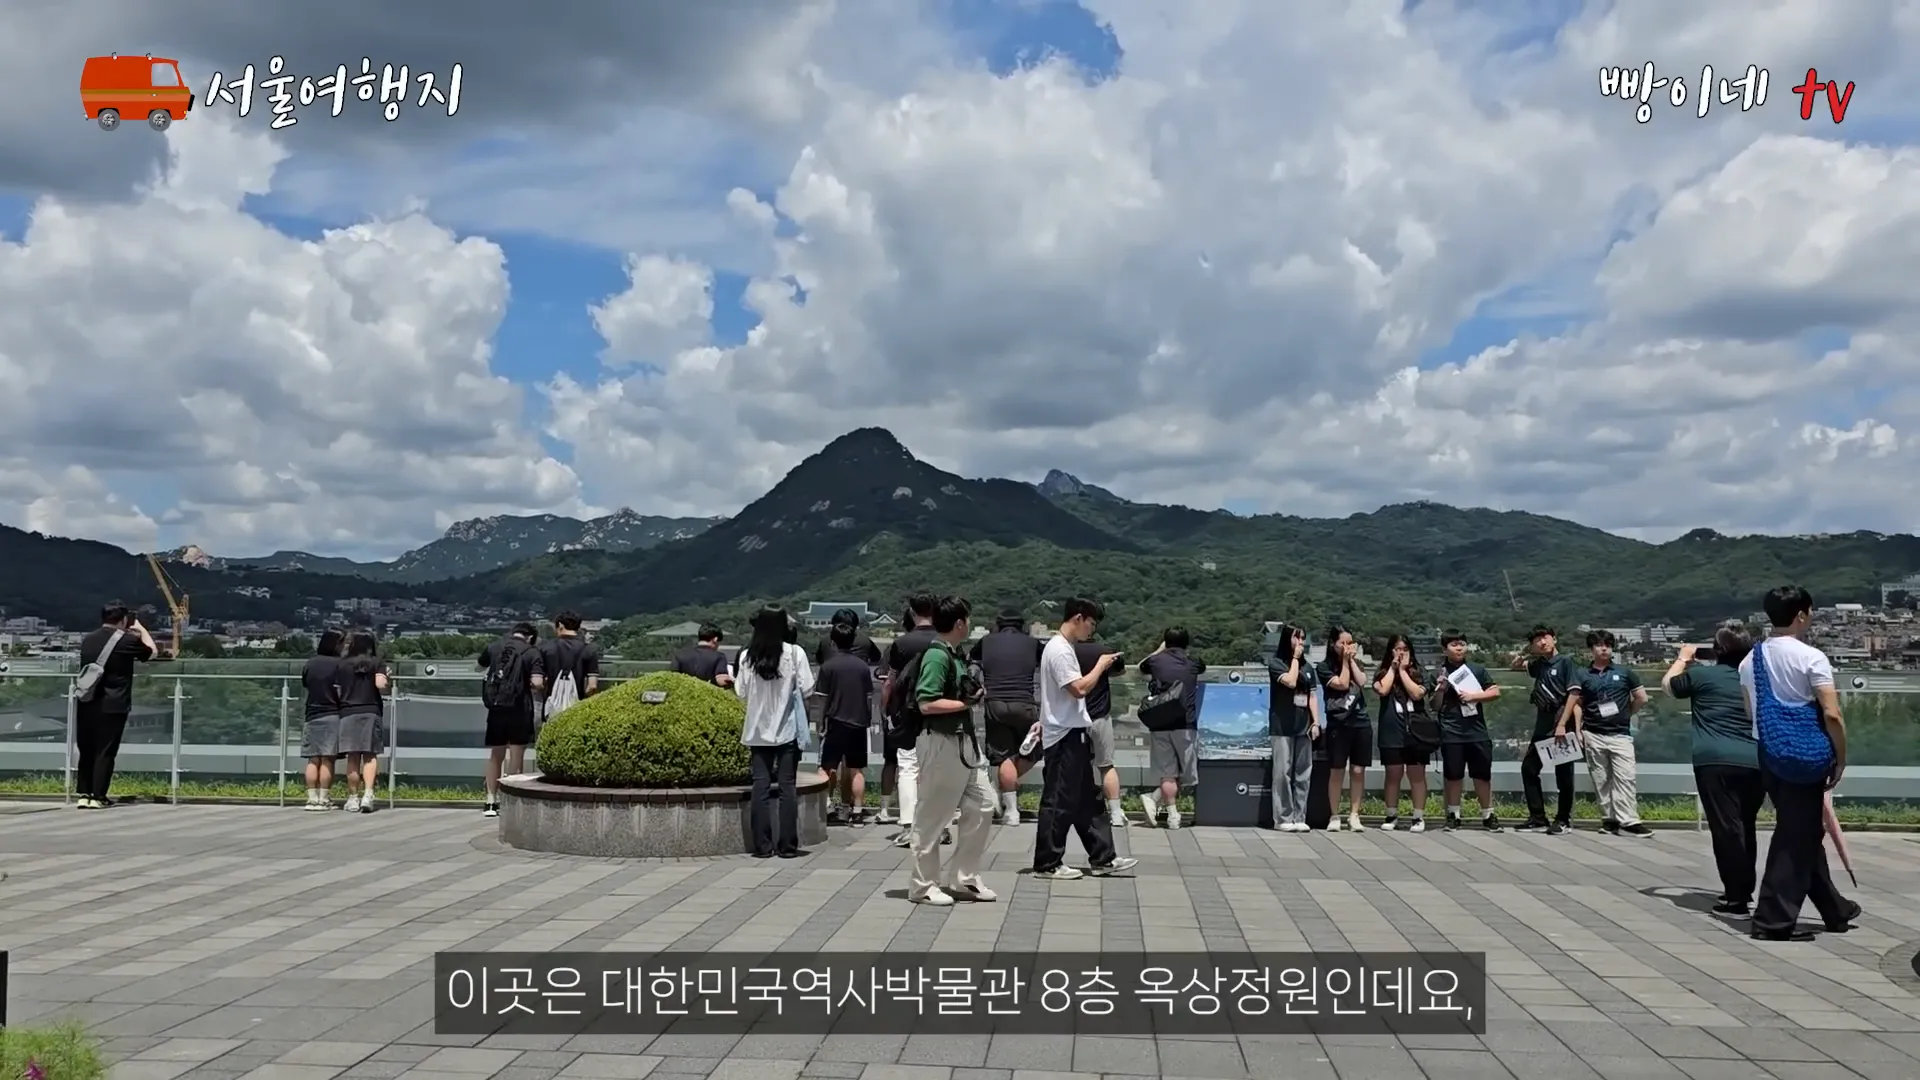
[(643, 823)]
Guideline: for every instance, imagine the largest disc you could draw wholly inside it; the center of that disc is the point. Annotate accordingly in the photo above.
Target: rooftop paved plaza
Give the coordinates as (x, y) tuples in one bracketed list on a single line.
[(219, 942)]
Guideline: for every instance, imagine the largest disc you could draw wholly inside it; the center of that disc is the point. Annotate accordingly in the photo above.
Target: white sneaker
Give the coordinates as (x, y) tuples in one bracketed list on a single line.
[(1173, 818), (314, 804), (903, 838), (973, 892), (1117, 818), (1333, 824), (1419, 825), (1011, 817), (1353, 822), (353, 804), (935, 897), (1150, 804), (1120, 865), (1063, 872), (1390, 824), (1295, 826)]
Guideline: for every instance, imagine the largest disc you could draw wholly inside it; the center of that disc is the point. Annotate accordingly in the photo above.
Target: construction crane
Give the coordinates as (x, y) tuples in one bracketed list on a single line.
[(1511, 598), (175, 598)]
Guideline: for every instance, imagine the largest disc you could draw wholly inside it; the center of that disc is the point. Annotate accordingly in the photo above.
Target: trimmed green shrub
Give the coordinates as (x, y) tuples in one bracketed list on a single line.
[(616, 739), (65, 1052)]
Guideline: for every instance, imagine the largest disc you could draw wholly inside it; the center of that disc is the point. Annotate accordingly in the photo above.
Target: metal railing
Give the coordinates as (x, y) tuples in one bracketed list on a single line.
[(432, 721)]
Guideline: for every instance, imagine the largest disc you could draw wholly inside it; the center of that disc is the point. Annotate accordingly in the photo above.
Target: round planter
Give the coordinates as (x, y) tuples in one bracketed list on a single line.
[(643, 823)]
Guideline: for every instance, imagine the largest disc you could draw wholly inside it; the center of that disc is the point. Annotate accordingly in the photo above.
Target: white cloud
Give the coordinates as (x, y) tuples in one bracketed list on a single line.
[(335, 392), (1213, 276)]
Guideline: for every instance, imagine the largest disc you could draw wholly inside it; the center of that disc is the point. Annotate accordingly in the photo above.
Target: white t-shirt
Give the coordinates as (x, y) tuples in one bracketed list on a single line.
[(767, 722), (1060, 711), (1794, 668)]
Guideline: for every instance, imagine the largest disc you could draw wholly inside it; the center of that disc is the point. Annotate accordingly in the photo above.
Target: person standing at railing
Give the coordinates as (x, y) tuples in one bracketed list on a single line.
[(1552, 674), (320, 733), (1172, 753), (1099, 702), (774, 681), (703, 659), (1349, 736), (363, 705), (1402, 688), (570, 665), (1803, 753), (1008, 660), (100, 710), (515, 674), (1293, 724), (1726, 759), (1606, 696)]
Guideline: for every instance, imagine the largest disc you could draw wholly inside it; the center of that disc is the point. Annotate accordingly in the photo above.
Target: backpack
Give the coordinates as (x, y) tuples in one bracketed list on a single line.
[(903, 704), (564, 691), (504, 686), (86, 685)]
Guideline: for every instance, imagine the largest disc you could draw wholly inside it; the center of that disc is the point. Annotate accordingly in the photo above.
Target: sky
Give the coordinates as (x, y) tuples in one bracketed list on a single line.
[(1310, 259)]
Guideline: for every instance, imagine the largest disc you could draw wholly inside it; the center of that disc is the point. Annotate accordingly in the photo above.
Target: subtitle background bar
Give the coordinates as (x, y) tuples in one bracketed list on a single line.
[(571, 993)]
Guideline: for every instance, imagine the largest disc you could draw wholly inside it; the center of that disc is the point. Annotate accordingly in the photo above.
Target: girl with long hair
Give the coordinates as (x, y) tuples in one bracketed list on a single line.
[(1348, 741), (1293, 724), (1402, 689), (320, 734), (363, 688), (774, 679)]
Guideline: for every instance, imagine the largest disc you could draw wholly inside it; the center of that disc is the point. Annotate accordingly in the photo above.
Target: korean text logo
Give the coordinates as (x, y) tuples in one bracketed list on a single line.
[(393, 83), (1644, 84)]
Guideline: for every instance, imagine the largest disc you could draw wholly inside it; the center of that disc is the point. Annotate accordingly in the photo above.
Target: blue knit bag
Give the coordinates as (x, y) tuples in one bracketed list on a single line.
[(1794, 744)]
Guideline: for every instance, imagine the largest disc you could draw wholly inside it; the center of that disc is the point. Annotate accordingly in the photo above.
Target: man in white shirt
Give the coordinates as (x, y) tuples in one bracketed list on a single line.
[(1070, 794), (1803, 752)]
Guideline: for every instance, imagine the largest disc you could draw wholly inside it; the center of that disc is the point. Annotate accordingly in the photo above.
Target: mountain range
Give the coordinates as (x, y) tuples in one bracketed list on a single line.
[(475, 545), (863, 519)]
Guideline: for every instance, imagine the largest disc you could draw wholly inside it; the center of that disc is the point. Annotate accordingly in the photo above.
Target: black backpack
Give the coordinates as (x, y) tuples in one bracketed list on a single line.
[(504, 686), (903, 704)]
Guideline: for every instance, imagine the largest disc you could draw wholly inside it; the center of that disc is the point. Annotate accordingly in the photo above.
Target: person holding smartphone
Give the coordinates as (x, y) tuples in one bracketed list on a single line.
[(1293, 723)]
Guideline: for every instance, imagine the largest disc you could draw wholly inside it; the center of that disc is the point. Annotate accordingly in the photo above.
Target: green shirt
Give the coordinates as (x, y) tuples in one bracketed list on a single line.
[(1722, 732), (1461, 722), (939, 679), (1606, 699)]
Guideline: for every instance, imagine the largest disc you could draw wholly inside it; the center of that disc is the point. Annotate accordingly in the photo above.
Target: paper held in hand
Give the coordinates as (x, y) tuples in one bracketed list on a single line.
[(1557, 752), (1463, 680)]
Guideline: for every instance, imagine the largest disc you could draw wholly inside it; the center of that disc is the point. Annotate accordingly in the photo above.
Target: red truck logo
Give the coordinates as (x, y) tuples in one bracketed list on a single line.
[(140, 87)]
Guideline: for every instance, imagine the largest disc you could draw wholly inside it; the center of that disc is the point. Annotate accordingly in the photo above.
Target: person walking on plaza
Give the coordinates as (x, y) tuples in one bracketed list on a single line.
[(860, 644), (1803, 754), (1099, 703), (1349, 737), (953, 783), (845, 685), (774, 680), (1009, 664), (1173, 753), (1293, 724), (515, 675), (103, 696), (703, 659), (1070, 792), (1402, 688), (1552, 675), (1461, 690), (320, 733), (1726, 759), (1605, 697), (363, 707), (900, 771)]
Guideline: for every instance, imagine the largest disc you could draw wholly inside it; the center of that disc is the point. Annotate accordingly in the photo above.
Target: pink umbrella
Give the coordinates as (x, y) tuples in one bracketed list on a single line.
[(1839, 840)]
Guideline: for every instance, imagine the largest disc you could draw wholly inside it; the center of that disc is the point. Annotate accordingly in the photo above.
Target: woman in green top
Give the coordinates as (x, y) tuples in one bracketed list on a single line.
[(1726, 764)]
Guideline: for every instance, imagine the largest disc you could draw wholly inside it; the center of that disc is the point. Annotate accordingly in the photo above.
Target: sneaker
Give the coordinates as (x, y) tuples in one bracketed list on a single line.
[(887, 816), (85, 804), (1734, 908), (903, 838), (836, 815), (1419, 825), (1296, 826), (1011, 819), (1354, 824), (1117, 818), (1453, 821), (1491, 823), (974, 893), (1533, 824), (1120, 865), (1610, 826), (353, 804), (1173, 818), (1063, 872), (946, 836), (1150, 807), (490, 810), (313, 804), (1638, 828), (1391, 823), (1555, 828), (934, 897)]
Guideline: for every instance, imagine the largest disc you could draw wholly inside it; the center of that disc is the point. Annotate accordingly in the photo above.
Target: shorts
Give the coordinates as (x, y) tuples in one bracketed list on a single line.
[(1461, 760), (1007, 725), (1349, 746), (1174, 755), (320, 737), (844, 745), (1400, 755), (510, 727), (1100, 738)]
